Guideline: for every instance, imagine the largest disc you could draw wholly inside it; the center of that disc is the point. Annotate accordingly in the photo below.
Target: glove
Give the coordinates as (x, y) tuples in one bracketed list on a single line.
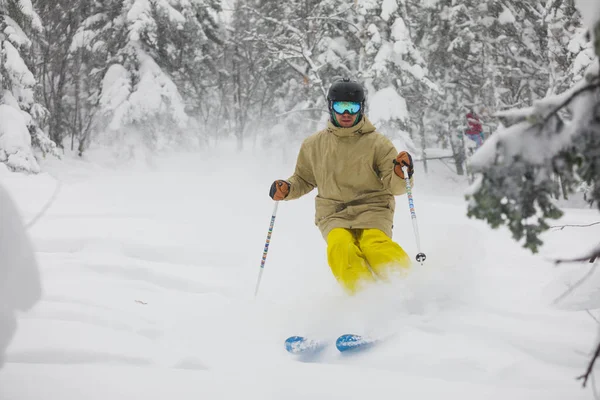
[(279, 190), (403, 159)]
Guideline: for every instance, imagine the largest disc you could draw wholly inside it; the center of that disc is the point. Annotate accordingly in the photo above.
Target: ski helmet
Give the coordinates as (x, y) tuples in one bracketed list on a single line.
[(346, 90)]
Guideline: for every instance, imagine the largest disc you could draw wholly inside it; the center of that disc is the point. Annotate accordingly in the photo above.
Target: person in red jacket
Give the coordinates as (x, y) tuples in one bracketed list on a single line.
[(475, 131)]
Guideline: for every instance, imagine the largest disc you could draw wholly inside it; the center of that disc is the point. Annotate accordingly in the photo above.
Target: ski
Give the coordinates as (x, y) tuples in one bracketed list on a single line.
[(303, 345), (351, 342)]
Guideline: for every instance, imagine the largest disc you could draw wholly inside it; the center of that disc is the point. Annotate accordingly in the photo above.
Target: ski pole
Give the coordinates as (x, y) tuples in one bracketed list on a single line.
[(266, 250), (411, 205)]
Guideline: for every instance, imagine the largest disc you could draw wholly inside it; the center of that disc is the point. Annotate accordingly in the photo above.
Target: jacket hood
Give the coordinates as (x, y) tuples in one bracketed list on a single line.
[(363, 127)]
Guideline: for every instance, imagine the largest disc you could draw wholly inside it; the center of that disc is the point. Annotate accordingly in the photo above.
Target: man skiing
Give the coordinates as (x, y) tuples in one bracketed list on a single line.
[(357, 172)]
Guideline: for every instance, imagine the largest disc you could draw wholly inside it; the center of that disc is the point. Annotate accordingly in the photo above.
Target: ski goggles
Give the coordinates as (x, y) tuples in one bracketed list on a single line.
[(352, 107)]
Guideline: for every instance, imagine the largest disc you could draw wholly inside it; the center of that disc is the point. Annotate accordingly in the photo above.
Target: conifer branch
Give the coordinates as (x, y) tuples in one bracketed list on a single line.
[(595, 84)]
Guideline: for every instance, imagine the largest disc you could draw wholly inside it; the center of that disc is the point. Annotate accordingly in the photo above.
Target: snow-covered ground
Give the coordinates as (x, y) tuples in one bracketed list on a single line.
[(149, 274)]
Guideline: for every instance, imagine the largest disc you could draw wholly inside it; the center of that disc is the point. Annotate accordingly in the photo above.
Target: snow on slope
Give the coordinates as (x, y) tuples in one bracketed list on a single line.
[(148, 279)]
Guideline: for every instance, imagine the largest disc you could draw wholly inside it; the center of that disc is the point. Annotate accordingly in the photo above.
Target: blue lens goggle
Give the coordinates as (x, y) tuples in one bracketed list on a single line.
[(351, 107)]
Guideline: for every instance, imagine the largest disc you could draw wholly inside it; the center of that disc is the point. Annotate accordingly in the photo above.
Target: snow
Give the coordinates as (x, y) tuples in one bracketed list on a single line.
[(148, 281), (374, 42), (155, 91), (16, 66), (401, 36), (488, 22), (27, 9), (21, 80), (15, 139), (154, 94), (19, 273), (388, 8), (14, 33), (506, 17), (383, 56), (82, 40), (366, 6), (86, 37), (386, 105), (115, 79), (174, 15), (335, 52), (139, 16), (137, 9), (579, 41), (116, 88), (523, 139), (227, 6), (583, 60), (437, 152)]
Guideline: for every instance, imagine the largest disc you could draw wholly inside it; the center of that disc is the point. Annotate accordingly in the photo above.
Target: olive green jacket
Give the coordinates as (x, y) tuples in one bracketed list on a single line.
[(353, 170)]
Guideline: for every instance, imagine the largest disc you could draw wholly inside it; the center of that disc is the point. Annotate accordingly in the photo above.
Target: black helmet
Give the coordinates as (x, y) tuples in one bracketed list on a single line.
[(346, 90)]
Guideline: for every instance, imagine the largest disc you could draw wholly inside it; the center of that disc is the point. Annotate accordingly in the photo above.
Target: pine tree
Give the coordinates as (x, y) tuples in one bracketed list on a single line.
[(20, 113), (146, 57), (61, 22)]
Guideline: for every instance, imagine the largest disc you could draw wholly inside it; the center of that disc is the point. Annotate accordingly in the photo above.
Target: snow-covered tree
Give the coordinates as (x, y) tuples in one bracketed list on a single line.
[(191, 51), (558, 135), (569, 50), (20, 113), (450, 47), (57, 69), (494, 55), (167, 72), (393, 67), (309, 44), (248, 81), (147, 56)]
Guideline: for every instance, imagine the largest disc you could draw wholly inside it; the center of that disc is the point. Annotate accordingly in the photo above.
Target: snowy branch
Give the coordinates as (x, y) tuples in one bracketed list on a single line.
[(590, 367), (591, 257), (594, 85), (344, 11), (336, 20), (561, 227), (275, 21)]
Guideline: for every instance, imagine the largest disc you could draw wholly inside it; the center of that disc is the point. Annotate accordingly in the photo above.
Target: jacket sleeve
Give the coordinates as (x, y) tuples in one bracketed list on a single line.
[(303, 180), (386, 155)]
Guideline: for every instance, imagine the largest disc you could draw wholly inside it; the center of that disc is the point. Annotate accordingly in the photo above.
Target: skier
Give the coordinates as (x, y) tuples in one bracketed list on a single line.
[(475, 131), (357, 172)]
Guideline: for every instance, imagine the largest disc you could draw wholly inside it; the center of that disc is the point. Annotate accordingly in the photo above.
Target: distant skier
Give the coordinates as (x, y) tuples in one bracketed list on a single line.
[(357, 172), (475, 131)]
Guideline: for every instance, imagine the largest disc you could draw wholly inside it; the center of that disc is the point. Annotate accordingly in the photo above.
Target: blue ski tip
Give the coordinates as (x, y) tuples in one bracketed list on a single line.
[(353, 342), (302, 345)]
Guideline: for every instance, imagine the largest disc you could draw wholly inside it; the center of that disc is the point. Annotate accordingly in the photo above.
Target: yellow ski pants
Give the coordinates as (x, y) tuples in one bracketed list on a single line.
[(358, 256)]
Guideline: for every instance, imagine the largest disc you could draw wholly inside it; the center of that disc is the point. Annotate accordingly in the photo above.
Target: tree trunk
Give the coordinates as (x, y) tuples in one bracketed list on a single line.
[(458, 152)]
